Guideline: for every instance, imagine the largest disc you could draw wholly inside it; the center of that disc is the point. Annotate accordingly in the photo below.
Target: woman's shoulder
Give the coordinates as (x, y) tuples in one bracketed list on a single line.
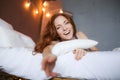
[(79, 32), (81, 35), (54, 42)]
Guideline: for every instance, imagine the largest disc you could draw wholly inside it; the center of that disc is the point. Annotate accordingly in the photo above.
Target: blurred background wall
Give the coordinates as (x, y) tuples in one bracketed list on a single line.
[(99, 19), (21, 18)]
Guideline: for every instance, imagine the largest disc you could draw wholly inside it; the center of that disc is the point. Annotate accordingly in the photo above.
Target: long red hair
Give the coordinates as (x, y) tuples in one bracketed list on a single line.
[(50, 33)]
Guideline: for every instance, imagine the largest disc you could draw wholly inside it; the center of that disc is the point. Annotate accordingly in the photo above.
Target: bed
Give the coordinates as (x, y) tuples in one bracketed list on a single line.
[(16, 57)]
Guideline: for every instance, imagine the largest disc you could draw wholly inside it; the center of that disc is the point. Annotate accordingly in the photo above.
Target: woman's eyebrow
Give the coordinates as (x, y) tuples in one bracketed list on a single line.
[(58, 25), (65, 21)]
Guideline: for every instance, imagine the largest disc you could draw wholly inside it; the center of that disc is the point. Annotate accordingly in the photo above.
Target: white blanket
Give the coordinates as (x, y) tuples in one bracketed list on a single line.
[(95, 65)]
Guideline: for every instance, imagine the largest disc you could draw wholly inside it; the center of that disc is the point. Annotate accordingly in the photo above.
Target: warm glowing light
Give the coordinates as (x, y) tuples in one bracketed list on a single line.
[(48, 14), (45, 4), (43, 9), (61, 11), (27, 4), (36, 11)]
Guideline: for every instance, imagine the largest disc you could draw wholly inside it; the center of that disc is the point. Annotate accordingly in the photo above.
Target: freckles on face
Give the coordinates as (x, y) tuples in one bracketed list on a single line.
[(64, 28)]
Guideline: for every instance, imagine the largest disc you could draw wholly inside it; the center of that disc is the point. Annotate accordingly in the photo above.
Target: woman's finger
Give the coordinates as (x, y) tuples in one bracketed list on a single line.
[(80, 53)]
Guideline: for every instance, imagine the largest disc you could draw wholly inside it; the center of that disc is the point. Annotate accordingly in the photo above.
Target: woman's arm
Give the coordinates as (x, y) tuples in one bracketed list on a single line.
[(49, 60), (81, 35), (47, 49)]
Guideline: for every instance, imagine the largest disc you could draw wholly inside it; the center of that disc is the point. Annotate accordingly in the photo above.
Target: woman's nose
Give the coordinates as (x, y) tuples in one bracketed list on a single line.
[(64, 28)]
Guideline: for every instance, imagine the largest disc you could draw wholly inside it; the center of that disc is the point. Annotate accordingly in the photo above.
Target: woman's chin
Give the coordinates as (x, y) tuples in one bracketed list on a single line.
[(68, 39)]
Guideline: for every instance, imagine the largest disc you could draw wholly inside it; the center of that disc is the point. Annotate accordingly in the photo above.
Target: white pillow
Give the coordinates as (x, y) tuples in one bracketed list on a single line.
[(26, 39), (13, 38), (8, 38), (5, 25), (67, 46), (116, 49)]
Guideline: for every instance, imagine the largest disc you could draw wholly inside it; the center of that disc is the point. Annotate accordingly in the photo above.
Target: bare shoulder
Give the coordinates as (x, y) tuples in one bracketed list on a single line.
[(54, 42), (81, 35)]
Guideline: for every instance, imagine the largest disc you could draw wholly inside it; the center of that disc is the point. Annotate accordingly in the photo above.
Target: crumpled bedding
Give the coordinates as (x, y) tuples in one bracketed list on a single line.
[(95, 65)]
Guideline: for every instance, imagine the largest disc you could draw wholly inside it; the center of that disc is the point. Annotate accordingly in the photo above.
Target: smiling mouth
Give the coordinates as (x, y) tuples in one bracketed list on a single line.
[(67, 33)]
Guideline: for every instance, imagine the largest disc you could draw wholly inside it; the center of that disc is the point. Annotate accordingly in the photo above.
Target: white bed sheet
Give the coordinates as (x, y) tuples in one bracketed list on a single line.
[(95, 65)]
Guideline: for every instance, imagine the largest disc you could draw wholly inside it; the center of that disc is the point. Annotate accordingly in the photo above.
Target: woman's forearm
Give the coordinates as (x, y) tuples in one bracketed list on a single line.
[(94, 49), (47, 50)]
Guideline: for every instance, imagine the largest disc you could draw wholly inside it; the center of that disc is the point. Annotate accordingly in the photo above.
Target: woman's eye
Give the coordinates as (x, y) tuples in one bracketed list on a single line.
[(67, 23), (58, 28)]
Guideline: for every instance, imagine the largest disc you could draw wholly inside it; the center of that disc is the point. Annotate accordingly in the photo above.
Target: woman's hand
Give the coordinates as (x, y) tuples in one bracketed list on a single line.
[(79, 53), (48, 64)]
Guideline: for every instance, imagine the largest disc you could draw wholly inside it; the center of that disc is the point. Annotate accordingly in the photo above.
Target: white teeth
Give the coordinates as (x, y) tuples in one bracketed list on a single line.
[(67, 33)]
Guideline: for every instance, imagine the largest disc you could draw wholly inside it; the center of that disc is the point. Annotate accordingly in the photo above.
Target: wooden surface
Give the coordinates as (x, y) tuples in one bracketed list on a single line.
[(6, 76)]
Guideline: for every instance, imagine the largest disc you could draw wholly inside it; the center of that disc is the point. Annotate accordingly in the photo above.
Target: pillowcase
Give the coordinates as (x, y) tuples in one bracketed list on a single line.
[(67, 46), (5, 25), (8, 38), (26, 39)]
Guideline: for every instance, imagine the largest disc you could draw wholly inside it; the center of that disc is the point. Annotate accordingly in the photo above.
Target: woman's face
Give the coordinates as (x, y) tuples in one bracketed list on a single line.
[(64, 28)]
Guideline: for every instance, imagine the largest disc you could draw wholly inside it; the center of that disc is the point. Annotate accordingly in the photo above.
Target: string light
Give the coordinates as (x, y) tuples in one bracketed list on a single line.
[(36, 11), (27, 4), (48, 15), (45, 4), (61, 11), (44, 8)]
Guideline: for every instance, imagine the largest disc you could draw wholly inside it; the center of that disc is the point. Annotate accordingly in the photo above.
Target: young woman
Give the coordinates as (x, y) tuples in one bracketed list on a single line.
[(99, 65), (60, 28)]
